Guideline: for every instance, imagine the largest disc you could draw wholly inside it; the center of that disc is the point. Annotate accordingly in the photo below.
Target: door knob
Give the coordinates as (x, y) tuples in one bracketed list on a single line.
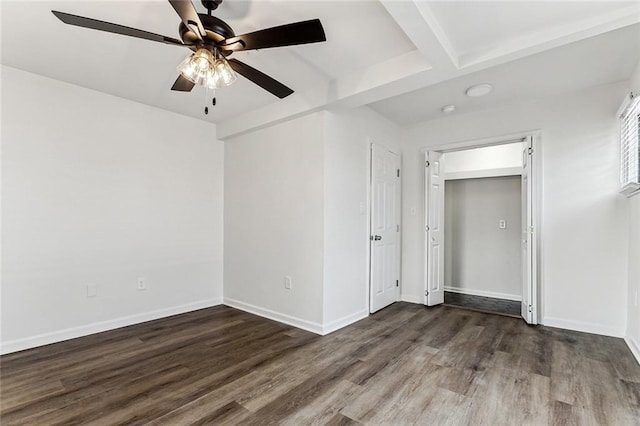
[(377, 237)]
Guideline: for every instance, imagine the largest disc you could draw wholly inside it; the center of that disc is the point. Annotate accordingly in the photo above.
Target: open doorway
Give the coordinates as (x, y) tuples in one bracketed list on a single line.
[(479, 241), (483, 266)]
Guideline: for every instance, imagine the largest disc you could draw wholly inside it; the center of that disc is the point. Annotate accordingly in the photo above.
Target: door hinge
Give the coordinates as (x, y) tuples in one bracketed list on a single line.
[(427, 228), (530, 308), (530, 151), (397, 284), (426, 292), (531, 230), (397, 228), (427, 164), (398, 172)]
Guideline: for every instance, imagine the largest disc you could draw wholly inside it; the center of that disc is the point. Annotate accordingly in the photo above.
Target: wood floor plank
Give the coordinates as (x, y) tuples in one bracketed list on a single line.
[(519, 396), (406, 364), (326, 406), (341, 420)]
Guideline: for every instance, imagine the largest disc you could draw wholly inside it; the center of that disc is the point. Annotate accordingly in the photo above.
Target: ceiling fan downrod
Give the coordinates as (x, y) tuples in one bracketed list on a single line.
[(210, 5)]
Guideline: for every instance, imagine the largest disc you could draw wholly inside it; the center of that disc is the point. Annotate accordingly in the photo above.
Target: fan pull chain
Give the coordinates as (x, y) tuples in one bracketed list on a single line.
[(213, 99)]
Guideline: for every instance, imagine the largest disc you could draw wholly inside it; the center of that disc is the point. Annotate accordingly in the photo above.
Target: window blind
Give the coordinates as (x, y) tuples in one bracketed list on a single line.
[(630, 147)]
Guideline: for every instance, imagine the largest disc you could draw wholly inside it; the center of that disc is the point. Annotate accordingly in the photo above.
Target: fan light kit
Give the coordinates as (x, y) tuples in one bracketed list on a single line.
[(205, 69), (479, 90), (212, 40)]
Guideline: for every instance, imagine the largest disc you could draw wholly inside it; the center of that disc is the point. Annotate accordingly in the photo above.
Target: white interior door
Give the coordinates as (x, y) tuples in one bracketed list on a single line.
[(528, 240), (385, 228), (434, 184)]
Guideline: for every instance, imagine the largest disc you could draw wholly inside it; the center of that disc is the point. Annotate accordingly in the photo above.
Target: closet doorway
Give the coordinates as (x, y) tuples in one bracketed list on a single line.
[(480, 243)]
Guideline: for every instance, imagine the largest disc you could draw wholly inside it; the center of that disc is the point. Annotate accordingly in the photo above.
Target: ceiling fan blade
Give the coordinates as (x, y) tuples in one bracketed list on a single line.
[(189, 16), (285, 35), (94, 24), (182, 84), (260, 78)]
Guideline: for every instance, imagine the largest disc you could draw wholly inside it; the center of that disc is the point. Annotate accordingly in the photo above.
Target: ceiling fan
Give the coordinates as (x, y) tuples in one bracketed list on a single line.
[(212, 40)]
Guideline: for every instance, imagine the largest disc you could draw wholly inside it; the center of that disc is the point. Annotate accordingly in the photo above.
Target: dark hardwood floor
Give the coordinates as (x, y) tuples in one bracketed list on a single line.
[(483, 304), (404, 365)]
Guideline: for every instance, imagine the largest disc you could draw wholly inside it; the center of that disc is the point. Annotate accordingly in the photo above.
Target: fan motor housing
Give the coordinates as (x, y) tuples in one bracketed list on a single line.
[(216, 29)]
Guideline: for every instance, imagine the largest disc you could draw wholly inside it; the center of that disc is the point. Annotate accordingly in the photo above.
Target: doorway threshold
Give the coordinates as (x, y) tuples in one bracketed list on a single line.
[(483, 304)]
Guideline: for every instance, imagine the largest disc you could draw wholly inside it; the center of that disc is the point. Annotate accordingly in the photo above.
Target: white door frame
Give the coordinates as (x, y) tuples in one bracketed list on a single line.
[(536, 167), (369, 294)]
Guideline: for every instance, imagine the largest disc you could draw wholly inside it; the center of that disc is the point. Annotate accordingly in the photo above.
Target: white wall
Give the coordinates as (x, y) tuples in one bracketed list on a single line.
[(273, 209), (348, 137), (296, 204), (633, 319), (100, 190), (491, 158), (585, 220), (481, 258)]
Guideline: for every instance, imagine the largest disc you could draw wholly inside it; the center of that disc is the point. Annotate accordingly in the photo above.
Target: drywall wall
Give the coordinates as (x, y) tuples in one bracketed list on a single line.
[(480, 257), (490, 158), (101, 190), (347, 148), (633, 293), (296, 204), (273, 216), (585, 220), (633, 319)]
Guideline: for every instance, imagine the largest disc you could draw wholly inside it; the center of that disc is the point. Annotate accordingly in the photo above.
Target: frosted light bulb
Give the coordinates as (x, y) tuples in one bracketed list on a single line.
[(202, 64)]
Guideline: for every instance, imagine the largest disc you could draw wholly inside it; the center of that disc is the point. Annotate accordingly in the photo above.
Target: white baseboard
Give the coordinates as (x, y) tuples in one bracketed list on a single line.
[(412, 299), (344, 321), (311, 326), (633, 346), (483, 293), (586, 327), (98, 327)]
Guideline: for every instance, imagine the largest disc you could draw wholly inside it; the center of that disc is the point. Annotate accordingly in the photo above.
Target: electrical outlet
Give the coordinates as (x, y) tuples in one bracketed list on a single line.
[(287, 282), (142, 283), (92, 290), (502, 224)]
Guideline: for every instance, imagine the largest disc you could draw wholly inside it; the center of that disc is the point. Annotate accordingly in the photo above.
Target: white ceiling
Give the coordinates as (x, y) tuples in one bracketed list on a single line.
[(608, 58), (405, 58), (480, 25)]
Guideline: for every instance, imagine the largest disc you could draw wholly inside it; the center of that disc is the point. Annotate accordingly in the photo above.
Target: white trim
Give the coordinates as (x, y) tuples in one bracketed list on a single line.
[(412, 298), (344, 321), (630, 189), (585, 327), (311, 326), (483, 293), (488, 173), (538, 200), (481, 143), (625, 104), (634, 347), (367, 236), (98, 327)]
